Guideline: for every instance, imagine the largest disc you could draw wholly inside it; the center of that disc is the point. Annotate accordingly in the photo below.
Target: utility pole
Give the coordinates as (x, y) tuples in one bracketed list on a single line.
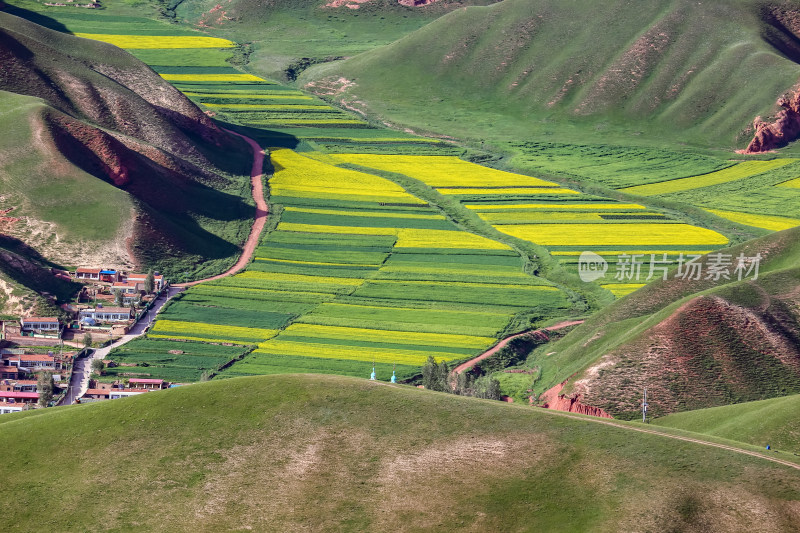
[(644, 407)]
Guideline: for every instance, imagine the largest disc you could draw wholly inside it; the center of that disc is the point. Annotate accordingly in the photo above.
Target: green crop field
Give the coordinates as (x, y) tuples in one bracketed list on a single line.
[(364, 218)]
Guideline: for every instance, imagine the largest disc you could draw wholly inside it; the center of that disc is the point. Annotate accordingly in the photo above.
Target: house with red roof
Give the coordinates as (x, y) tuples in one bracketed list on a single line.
[(38, 325), (92, 274), (32, 362), (9, 372), (19, 397), (12, 407), (106, 314)]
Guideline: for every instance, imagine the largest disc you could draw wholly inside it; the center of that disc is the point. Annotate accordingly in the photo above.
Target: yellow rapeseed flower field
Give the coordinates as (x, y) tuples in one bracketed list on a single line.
[(443, 171), (263, 95), (353, 353), (303, 174), (364, 213), (140, 42), (554, 206), (734, 173), (641, 234), (390, 336), (792, 184), (622, 289), (769, 222), (322, 228), (200, 328), (506, 191), (281, 276), (429, 238), (291, 107), (212, 77), (657, 252)]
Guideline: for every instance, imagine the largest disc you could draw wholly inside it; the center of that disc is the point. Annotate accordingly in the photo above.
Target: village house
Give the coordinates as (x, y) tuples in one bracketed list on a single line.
[(95, 395), (32, 362), (105, 314), (19, 385), (140, 278), (146, 383), (9, 372), (91, 274), (12, 407), (41, 326), (19, 397), (116, 394), (128, 287), (110, 276)]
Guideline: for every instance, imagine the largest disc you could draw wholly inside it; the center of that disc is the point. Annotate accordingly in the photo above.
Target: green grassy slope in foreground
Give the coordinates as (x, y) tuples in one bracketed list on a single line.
[(105, 163), (329, 453), (692, 343), (775, 422), (622, 71)]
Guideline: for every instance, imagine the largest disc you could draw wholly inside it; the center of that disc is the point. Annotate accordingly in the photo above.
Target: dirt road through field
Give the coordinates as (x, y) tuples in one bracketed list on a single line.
[(262, 211), (503, 343)]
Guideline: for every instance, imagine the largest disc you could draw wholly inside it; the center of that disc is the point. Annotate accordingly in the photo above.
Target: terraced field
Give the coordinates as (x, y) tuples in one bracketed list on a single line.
[(565, 221), (357, 271)]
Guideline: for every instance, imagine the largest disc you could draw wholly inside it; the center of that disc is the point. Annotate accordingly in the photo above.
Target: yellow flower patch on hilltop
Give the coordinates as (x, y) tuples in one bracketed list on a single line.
[(726, 175), (769, 222)]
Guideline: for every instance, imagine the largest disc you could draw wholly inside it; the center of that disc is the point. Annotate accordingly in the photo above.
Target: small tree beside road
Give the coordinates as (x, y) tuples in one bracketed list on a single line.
[(44, 387)]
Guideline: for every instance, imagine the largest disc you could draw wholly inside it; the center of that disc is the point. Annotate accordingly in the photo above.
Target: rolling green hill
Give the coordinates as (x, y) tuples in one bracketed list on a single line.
[(774, 422), (692, 343), (284, 453), (104, 163), (622, 71)]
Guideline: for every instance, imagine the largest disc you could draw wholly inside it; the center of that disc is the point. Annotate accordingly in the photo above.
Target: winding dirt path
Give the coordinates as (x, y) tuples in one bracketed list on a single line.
[(503, 343), (262, 210), (607, 422)]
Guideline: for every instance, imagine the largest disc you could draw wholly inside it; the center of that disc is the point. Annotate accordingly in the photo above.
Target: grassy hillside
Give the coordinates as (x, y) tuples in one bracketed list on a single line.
[(624, 71), (332, 454), (774, 422), (283, 36), (693, 344), (109, 164)]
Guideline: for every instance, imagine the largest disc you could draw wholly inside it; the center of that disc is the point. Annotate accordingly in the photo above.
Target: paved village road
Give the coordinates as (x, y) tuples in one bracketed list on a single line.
[(83, 367)]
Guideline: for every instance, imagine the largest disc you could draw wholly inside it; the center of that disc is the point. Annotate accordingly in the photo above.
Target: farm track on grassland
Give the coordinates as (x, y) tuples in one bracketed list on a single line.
[(503, 343), (262, 211), (606, 422)]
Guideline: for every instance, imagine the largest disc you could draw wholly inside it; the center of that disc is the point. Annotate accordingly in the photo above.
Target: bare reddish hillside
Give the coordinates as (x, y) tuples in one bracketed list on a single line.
[(111, 117)]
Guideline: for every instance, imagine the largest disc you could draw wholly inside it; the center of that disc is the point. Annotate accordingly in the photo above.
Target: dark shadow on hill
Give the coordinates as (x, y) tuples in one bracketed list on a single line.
[(266, 138), (780, 36), (25, 266), (38, 18)]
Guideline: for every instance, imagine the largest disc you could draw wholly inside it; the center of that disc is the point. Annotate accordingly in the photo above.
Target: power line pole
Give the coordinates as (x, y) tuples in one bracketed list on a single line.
[(644, 407)]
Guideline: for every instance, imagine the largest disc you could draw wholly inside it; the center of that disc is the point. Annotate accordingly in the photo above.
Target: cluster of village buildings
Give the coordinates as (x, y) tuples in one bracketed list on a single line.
[(99, 313), (100, 316), (18, 376)]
